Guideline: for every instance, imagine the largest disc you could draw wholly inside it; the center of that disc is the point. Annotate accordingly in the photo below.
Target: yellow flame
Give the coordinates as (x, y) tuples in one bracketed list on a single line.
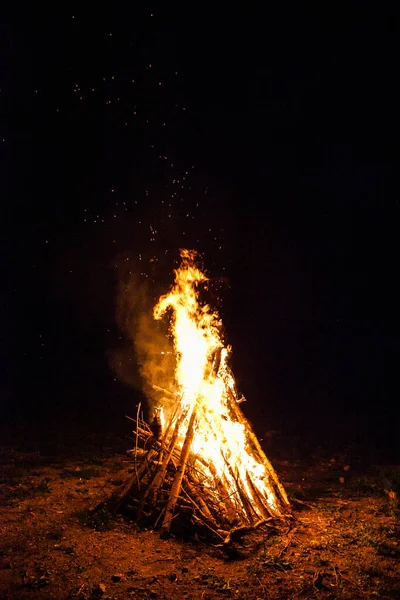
[(206, 384)]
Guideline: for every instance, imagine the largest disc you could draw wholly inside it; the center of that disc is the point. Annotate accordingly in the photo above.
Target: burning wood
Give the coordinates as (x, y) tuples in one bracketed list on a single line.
[(200, 463)]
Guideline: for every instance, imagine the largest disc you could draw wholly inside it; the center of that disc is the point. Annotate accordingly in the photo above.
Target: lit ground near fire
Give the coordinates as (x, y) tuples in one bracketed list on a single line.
[(343, 542)]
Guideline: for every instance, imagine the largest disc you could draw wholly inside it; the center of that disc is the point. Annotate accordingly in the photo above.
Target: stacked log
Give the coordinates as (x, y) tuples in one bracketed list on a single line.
[(203, 469), (172, 488)]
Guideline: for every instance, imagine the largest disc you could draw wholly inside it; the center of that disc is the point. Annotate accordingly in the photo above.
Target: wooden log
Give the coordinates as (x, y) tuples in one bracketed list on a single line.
[(177, 482), (196, 507), (238, 532), (255, 444), (146, 432), (224, 495), (223, 489), (194, 488), (261, 504), (120, 495), (246, 505), (206, 497), (198, 499), (217, 532), (158, 479), (264, 508), (245, 501)]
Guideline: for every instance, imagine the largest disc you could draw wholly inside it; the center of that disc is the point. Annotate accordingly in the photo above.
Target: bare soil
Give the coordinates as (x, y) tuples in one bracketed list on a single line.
[(344, 541)]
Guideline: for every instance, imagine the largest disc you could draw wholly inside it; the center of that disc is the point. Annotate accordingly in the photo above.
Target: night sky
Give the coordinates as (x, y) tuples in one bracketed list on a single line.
[(267, 143)]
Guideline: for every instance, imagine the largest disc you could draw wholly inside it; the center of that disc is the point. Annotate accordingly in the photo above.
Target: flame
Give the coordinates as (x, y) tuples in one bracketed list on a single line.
[(206, 390)]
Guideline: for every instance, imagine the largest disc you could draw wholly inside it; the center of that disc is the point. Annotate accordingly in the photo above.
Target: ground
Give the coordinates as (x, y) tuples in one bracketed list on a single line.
[(343, 542)]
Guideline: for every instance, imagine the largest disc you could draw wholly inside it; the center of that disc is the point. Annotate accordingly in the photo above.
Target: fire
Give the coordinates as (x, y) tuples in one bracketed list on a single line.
[(195, 331), (208, 421)]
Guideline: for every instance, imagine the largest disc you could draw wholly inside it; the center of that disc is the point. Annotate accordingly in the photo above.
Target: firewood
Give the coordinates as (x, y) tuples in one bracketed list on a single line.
[(257, 498), (196, 497), (237, 533), (260, 453), (194, 489), (171, 448), (246, 504), (176, 485), (217, 532), (224, 495), (204, 466), (158, 478)]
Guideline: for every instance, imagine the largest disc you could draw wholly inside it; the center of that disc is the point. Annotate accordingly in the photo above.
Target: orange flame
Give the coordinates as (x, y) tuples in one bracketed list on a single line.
[(206, 385)]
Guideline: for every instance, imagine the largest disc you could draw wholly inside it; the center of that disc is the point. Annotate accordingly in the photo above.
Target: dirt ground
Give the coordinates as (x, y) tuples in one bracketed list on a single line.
[(344, 541)]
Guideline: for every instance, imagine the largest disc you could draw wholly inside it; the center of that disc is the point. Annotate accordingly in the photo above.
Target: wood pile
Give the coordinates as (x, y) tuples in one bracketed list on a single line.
[(174, 488)]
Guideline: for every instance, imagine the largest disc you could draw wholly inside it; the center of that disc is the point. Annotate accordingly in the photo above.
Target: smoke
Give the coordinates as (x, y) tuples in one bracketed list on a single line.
[(145, 360)]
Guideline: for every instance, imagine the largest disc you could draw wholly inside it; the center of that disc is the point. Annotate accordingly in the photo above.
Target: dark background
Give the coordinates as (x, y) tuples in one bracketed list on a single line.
[(284, 128)]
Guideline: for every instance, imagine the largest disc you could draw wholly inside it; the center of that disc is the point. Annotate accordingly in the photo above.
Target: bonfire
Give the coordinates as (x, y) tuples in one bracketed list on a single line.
[(198, 465)]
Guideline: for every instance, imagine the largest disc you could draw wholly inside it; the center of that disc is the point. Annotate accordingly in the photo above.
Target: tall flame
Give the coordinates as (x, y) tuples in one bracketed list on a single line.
[(207, 393), (195, 329)]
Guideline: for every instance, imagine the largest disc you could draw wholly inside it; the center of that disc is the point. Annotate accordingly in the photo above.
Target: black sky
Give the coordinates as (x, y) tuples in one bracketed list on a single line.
[(284, 130)]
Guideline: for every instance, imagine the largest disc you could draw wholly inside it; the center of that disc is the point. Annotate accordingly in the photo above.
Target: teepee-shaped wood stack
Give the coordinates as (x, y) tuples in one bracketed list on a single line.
[(201, 467)]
